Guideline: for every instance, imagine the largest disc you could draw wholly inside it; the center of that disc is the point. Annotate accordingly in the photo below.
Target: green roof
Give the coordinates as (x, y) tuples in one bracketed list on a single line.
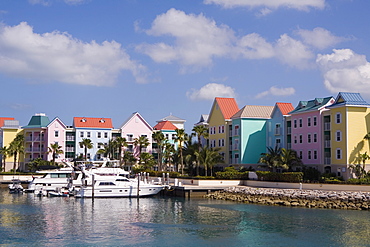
[(311, 105), (38, 121)]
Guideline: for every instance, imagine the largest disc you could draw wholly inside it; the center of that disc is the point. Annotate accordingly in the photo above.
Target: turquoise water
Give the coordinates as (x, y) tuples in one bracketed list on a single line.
[(26, 220)]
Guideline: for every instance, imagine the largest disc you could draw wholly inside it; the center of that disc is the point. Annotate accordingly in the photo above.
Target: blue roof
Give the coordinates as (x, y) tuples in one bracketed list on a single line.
[(350, 99)]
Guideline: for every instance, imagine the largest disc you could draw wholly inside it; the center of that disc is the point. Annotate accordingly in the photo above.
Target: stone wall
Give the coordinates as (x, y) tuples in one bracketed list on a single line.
[(296, 198)]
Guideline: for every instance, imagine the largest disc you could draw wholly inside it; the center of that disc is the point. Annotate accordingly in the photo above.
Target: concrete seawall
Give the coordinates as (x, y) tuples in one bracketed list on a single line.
[(354, 200)]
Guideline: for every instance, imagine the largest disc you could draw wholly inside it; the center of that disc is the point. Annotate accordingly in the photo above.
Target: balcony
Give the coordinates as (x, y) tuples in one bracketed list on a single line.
[(289, 130), (35, 139), (327, 160), (70, 138), (327, 126), (327, 144), (289, 146)]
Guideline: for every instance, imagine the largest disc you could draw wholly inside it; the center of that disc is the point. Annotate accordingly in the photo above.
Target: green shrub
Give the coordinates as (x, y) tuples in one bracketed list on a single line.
[(291, 177), (160, 174), (231, 174)]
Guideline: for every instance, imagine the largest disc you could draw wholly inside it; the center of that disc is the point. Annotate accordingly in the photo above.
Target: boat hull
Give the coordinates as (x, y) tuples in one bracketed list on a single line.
[(129, 191)]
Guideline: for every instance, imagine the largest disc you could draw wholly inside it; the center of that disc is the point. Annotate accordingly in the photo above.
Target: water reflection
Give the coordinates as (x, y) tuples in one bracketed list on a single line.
[(33, 221)]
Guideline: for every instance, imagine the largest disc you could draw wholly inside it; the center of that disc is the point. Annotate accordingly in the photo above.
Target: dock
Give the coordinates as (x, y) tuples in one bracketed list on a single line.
[(191, 191)]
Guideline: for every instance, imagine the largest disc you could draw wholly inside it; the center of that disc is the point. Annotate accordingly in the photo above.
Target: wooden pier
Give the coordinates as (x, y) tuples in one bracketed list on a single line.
[(191, 191)]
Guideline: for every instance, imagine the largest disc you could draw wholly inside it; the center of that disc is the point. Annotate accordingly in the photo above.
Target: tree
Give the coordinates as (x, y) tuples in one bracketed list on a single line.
[(120, 143), (55, 149), (16, 148), (209, 157), (289, 159), (160, 139), (179, 139), (271, 159), (4, 152), (128, 158), (168, 154), (86, 144), (200, 131), (141, 142), (147, 160)]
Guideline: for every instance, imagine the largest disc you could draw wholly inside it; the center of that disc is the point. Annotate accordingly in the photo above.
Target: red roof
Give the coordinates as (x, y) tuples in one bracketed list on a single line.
[(164, 125), (228, 107), (89, 122), (2, 119), (285, 108)]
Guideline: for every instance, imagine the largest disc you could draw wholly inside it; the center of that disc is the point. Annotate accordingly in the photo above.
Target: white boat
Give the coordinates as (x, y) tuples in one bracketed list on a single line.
[(15, 186), (117, 186), (54, 179)]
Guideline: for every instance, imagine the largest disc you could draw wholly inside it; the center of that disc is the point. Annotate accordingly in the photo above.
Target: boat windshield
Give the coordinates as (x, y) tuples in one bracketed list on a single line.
[(60, 175)]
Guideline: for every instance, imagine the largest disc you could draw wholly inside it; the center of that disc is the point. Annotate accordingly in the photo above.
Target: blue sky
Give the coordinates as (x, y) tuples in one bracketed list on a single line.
[(94, 58)]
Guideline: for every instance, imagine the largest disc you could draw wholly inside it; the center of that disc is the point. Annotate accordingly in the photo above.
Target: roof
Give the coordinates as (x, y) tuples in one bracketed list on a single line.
[(39, 120), (139, 116), (254, 111), (59, 120), (285, 108), (349, 99), (164, 125), (172, 119), (203, 119), (311, 105), (228, 106), (89, 122), (2, 119)]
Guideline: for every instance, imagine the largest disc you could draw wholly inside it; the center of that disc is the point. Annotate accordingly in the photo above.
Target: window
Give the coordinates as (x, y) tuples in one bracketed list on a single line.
[(88, 156), (81, 134), (309, 154), (309, 138), (295, 139), (99, 134), (314, 121), (309, 122), (223, 129), (338, 118), (300, 154), (236, 158), (88, 134), (236, 130), (173, 136), (295, 123), (236, 144), (130, 137), (339, 154), (277, 143), (277, 129), (315, 154), (56, 133), (300, 139), (300, 123), (105, 134), (315, 137), (338, 136)]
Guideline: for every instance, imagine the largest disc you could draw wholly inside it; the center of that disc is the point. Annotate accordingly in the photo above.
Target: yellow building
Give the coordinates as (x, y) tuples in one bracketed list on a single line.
[(350, 123), (9, 128), (219, 123)]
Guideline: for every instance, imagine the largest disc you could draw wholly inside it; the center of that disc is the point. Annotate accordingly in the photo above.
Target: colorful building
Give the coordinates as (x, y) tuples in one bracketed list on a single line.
[(219, 126), (249, 134), (9, 128), (56, 134)]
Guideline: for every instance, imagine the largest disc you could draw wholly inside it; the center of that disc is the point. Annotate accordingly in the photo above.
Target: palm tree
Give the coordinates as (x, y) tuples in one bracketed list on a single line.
[(120, 143), (55, 149), (209, 157), (200, 131), (86, 144), (180, 139), (271, 159), (147, 159), (289, 159), (168, 154), (4, 152), (160, 139), (16, 147), (128, 158), (141, 142)]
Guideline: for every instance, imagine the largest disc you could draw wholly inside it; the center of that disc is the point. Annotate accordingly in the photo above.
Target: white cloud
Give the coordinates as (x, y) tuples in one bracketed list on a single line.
[(49, 2), (197, 39), (319, 37), (344, 70), (277, 92), (59, 57), (293, 52), (304, 5), (253, 46), (210, 91)]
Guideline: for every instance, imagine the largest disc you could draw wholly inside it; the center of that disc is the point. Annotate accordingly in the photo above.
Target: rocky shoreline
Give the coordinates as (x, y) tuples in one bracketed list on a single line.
[(296, 198)]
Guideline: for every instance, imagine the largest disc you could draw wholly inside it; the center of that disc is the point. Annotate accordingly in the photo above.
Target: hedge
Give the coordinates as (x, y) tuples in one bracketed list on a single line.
[(290, 177)]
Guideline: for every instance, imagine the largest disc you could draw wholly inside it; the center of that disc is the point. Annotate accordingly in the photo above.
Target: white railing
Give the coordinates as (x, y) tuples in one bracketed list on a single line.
[(327, 126), (289, 130), (327, 160), (327, 144)]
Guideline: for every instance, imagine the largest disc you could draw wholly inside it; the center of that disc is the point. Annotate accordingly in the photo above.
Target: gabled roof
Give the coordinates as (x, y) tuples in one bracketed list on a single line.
[(132, 116), (203, 119), (2, 119), (228, 106), (39, 120), (312, 105), (349, 99), (284, 108), (172, 119), (93, 123), (59, 120), (254, 111), (164, 125)]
